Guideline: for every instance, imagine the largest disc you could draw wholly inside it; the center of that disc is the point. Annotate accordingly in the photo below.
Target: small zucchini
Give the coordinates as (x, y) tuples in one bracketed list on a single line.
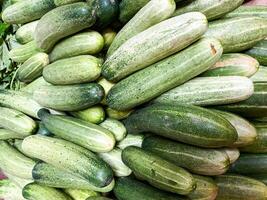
[(116, 127), (25, 33)]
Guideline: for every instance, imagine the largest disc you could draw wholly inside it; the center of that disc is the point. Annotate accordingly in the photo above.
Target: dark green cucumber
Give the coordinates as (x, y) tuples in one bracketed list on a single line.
[(195, 159), (260, 177), (157, 171), (80, 132), (213, 9), (25, 33), (238, 34), (237, 187), (164, 75), (130, 189), (234, 64), (179, 123), (251, 10), (259, 51), (70, 97), (260, 76), (27, 11), (6, 134), (155, 44)]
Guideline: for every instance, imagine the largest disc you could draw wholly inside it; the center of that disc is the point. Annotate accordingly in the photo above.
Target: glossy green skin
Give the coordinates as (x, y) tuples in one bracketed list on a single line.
[(158, 172), (260, 76), (235, 187), (145, 49), (251, 10), (164, 75), (228, 31), (34, 191), (69, 98), (259, 51), (213, 9), (25, 33), (260, 177), (70, 158), (130, 189), (6, 134), (179, 123), (253, 107), (197, 160), (27, 11), (63, 21)]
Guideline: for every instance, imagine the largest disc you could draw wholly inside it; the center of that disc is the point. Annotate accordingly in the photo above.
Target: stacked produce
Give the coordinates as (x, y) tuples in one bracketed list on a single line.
[(129, 100)]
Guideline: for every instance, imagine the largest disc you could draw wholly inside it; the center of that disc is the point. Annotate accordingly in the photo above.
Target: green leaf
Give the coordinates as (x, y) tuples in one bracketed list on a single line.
[(3, 28)]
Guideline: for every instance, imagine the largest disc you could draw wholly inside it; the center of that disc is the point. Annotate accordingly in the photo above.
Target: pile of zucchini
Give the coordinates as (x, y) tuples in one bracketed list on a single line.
[(136, 100)]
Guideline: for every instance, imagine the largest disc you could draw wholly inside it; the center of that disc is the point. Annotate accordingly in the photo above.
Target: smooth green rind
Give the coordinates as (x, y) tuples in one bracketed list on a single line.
[(6, 134), (152, 13), (196, 160), (89, 42), (164, 75), (26, 11), (63, 21), (14, 162), (131, 140), (213, 9), (203, 91), (154, 44), (69, 98), (25, 33), (184, 123), (246, 11), (69, 157), (235, 187), (35, 85), (238, 34), (260, 76), (32, 68), (78, 194), (9, 190), (234, 64), (116, 127), (259, 51), (232, 153)]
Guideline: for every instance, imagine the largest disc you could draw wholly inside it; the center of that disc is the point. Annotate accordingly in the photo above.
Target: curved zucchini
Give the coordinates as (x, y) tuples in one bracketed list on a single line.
[(108, 35), (233, 154), (260, 76), (89, 42), (164, 75), (34, 85), (116, 127), (197, 160), (119, 115), (69, 98), (78, 194), (152, 13), (25, 33), (168, 37), (131, 140), (157, 171), (234, 64), (246, 11), (179, 123), (238, 34), (85, 134), (259, 51), (33, 67), (6, 134), (203, 91)]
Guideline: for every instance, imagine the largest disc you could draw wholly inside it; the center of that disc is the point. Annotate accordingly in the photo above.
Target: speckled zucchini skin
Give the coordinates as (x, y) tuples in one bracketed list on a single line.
[(259, 52)]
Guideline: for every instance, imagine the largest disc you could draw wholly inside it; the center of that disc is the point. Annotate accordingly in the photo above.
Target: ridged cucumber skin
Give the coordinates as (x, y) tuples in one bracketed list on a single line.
[(9, 190), (141, 51), (48, 175), (197, 160), (232, 153), (34, 191), (89, 42), (114, 160), (246, 11), (259, 177), (107, 85), (32, 68), (85, 134), (204, 91), (14, 162), (250, 164), (131, 140), (78, 194), (123, 191), (63, 21), (179, 123), (69, 157), (260, 76), (152, 13), (253, 107), (34, 85), (6, 134), (70, 97), (119, 115), (17, 121), (236, 187), (247, 133), (157, 171), (234, 64), (259, 51), (24, 52), (74, 70), (25, 33), (116, 127), (260, 144), (164, 75), (26, 11), (228, 31), (213, 9)]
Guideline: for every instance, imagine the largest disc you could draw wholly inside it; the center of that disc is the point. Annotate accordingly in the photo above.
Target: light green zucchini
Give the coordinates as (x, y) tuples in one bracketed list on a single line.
[(6, 134), (260, 76), (131, 140), (259, 52), (251, 10), (116, 127), (25, 33), (119, 115), (203, 91), (168, 37), (164, 75), (78, 194), (152, 13), (89, 42), (107, 85), (10, 191), (108, 35), (233, 154), (34, 85)]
